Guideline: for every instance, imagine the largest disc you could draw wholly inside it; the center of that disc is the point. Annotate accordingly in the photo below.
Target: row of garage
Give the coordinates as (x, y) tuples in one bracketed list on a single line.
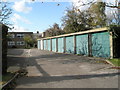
[(96, 43)]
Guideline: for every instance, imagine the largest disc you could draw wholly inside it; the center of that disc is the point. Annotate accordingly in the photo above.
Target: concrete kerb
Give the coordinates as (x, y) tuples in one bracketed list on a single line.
[(18, 72), (110, 63), (10, 81)]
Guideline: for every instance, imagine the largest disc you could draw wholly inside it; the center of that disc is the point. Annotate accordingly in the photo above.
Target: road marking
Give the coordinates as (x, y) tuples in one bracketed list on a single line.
[(29, 54)]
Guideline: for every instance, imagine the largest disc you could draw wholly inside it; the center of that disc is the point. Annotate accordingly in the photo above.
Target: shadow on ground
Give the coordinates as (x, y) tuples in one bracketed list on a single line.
[(44, 79), (15, 51), (16, 61), (31, 61), (15, 57)]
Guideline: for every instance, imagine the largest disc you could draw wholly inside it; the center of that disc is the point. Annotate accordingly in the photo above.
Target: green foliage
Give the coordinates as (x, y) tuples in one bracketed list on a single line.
[(74, 21), (70, 21), (6, 77), (97, 13), (54, 31), (28, 41), (114, 27)]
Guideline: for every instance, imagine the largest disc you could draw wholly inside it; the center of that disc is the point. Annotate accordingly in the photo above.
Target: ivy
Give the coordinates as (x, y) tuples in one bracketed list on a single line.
[(115, 29)]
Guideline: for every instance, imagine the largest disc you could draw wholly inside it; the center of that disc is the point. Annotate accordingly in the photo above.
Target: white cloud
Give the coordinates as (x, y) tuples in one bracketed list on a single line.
[(19, 29), (20, 6), (17, 18)]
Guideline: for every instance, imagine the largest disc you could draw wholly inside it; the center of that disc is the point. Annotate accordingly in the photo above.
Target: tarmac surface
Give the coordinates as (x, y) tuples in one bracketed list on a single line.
[(56, 70)]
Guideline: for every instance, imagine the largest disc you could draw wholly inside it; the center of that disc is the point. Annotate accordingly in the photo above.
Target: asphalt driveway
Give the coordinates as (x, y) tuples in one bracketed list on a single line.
[(55, 70)]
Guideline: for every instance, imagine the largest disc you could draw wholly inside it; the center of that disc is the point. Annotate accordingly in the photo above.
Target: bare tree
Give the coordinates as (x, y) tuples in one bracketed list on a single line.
[(5, 12), (113, 17), (111, 5)]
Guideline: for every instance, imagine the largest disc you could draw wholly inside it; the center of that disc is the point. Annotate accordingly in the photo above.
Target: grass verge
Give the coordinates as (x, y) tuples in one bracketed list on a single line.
[(6, 77), (116, 62)]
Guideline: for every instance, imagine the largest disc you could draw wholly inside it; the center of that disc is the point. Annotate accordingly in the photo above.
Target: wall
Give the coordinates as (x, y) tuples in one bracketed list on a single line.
[(4, 48), (42, 47), (90, 43)]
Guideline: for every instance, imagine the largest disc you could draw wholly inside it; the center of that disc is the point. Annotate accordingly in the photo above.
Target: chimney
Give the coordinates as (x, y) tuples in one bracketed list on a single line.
[(37, 32), (43, 34)]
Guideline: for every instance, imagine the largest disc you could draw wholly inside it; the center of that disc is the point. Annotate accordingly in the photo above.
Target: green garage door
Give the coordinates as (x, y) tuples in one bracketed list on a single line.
[(70, 44), (82, 44), (60, 45), (54, 44), (101, 44), (49, 45)]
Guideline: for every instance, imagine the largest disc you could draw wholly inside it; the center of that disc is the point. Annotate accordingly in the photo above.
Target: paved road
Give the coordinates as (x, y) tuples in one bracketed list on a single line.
[(54, 70)]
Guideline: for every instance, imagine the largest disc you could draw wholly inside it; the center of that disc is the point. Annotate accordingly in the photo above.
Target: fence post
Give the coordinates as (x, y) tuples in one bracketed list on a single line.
[(111, 45), (74, 44), (64, 41), (89, 44)]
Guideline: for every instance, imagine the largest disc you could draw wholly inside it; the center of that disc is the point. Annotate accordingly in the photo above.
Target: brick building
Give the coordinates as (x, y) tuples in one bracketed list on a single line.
[(16, 39)]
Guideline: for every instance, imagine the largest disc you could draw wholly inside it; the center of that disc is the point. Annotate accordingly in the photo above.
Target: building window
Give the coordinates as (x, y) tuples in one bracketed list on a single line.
[(10, 43), (20, 35), (13, 35), (20, 43)]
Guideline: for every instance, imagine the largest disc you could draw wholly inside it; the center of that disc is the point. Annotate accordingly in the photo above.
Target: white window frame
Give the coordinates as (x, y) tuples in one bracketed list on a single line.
[(11, 43), (20, 35), (20, 43)]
